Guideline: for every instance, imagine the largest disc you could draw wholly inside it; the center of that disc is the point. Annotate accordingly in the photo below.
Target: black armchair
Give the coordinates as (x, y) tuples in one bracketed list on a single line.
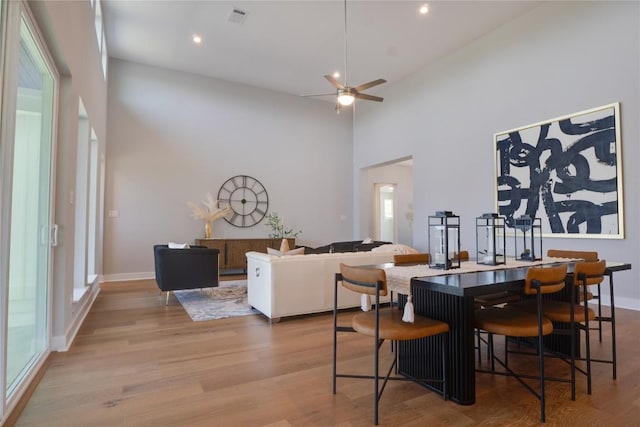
[(196, 267)]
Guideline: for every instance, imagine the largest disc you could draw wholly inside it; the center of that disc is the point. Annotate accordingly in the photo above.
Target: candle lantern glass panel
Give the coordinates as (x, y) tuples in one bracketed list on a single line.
[(490, 239), (444, 240), (528, 238)]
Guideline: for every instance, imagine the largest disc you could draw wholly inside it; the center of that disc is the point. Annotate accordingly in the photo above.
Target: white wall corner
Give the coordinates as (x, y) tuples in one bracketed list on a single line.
[(63, 342)]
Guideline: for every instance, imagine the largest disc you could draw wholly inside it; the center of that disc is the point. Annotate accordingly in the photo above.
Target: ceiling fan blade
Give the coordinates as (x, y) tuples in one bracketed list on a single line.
[(368, 97), (333, 81), (320, 94), (372, 83)]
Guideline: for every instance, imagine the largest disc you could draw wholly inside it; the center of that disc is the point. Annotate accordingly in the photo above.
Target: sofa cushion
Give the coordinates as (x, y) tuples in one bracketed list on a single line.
[(344, 247), (395, 248), (173, 245), (364, 247), (319, 250), (275, 252)]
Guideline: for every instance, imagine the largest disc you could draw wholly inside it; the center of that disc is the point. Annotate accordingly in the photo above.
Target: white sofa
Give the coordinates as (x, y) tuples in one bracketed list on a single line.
[(301, 284)]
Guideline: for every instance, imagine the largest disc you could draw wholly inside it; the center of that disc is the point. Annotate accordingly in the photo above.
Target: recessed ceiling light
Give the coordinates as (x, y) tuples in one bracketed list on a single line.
[(197, 39), (424, 9)]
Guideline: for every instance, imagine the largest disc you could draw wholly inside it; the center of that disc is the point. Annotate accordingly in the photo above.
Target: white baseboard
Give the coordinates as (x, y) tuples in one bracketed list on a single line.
[(621, 302), (121, 277), (80, 311)]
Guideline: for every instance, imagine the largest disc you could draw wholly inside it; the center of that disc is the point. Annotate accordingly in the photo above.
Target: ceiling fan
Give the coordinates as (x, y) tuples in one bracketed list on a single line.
[(345, 94)]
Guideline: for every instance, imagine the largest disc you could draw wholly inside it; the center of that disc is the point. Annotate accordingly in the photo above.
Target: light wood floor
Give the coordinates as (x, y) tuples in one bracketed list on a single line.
[(138, 362)]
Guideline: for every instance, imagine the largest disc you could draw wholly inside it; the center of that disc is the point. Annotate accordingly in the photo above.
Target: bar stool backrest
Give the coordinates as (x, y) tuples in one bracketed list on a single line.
[(363, 280), (411, 258), (550, 279), (593, 272), (585, 255)]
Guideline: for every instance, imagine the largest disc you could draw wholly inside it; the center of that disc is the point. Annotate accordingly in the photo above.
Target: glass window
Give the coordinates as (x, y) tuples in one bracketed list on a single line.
[(29, 250), (98, 23)]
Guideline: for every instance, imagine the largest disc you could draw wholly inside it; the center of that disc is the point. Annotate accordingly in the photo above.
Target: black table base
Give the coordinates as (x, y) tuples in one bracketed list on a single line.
[(415, 355)]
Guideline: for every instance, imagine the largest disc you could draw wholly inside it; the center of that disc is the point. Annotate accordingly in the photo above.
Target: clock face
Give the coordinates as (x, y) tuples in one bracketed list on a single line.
[(248, 199)]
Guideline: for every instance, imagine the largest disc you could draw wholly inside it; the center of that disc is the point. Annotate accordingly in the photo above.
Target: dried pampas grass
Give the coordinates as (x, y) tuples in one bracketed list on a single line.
[(210, 211)]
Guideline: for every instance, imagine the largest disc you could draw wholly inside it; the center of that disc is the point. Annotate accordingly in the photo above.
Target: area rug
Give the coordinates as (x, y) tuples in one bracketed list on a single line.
[(227, 300)]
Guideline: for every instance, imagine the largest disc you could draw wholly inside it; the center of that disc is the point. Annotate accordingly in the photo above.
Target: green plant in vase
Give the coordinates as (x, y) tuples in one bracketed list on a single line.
[(278, 229)]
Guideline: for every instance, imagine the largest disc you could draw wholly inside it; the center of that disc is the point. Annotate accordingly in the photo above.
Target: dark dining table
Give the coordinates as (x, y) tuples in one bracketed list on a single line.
[(450, 298)]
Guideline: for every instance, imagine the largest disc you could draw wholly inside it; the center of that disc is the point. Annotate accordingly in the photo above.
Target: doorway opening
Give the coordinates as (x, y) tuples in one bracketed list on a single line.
[(386, 224), (386, 205)]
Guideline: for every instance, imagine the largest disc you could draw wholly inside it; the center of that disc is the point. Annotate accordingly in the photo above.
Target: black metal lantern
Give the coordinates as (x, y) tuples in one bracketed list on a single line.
[(528, 238), (444, 240), (490, 239)]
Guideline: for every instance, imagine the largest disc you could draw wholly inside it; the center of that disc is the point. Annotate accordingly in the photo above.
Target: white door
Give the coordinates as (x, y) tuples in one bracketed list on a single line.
[(28, 120)]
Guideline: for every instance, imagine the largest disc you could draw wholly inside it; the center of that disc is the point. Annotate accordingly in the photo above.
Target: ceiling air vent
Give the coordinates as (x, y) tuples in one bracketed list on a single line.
[(237, 16)]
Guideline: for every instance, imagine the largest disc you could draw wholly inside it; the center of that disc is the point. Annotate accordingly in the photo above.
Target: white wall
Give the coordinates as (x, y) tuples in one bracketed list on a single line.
[(558, 59), (173, 137)]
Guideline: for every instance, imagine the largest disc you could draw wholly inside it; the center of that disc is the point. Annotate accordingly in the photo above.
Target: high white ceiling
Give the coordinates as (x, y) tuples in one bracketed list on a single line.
[(288, 46)]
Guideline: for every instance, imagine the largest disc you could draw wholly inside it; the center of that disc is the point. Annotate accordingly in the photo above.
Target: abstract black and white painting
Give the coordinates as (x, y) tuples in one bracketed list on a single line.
[(566, 171)]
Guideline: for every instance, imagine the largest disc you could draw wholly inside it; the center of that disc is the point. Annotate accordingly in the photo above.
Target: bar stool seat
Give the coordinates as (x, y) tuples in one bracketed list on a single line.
[(560, 311), (393, 328), (511, 322)]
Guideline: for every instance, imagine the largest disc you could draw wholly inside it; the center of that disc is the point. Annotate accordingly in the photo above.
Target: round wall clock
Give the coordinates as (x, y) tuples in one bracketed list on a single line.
[(247, 197)]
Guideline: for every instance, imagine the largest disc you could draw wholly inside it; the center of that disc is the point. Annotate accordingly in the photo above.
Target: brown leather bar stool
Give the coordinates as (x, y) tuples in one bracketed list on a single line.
[(576, 315), (589, 274), (584, 256), (490, 300), (514, 322), (592, 256), (382, 324)]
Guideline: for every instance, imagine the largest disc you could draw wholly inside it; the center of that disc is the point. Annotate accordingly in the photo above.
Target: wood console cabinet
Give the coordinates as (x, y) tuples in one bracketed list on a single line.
[(232, 251)]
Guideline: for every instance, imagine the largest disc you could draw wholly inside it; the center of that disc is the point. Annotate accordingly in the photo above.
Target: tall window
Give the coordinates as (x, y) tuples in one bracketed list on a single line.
[(102, 42), (92, 226), (28, 129), (98, 22), (86, 206)]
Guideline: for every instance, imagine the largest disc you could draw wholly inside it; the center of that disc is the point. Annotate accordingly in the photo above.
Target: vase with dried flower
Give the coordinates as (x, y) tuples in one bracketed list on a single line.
[(209, 212)]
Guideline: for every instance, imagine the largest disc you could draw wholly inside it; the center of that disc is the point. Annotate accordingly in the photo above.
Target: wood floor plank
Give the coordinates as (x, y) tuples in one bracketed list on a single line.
[(137, 362)]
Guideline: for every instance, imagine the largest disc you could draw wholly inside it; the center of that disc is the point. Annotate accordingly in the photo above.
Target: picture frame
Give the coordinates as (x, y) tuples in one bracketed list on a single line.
[(566, 171)]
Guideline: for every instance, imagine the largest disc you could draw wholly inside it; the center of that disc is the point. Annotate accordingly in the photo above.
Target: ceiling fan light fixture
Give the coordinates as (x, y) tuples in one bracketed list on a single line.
[(346, 98), (346, 95)]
